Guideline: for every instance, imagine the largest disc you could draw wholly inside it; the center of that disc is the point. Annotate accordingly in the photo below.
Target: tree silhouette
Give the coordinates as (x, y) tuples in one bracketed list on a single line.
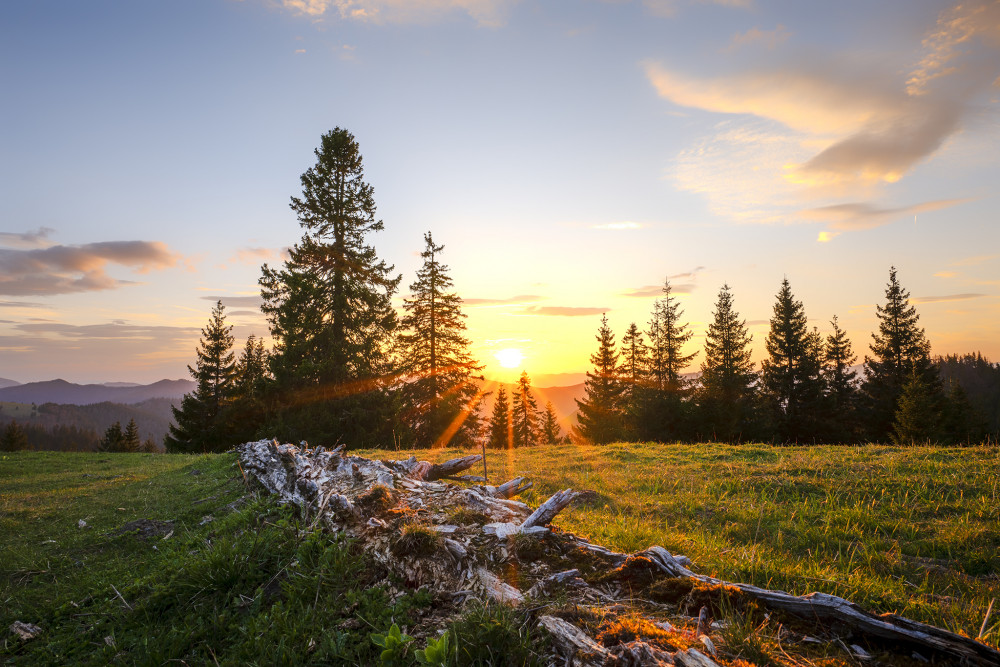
[(790, 377), (899, 349), (524, 413), (14, 438), (500, 433), (726, 394), (442, 395), (600, 411), (330, 311), (841, 386), (199, 424), (550, 431)]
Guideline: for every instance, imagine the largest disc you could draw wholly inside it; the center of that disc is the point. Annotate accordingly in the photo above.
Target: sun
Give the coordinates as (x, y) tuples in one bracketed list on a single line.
[(509, 357)]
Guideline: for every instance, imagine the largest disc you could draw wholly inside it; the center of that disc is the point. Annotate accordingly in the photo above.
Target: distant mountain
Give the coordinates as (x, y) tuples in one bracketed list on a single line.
[(153, 416), (4, 382), (121, 384), (67, 393)]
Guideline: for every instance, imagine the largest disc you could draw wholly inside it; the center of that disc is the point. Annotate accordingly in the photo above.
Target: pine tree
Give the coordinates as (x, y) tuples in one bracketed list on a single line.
[(14, 438), (246, 413), (149, 446), (524, 414), (113, 439), (130, 439), (550, 431), (442, 396), (790, 377), (500, 433), (600, 412), (200, 425), (726, 394), (330, 309), (841, 386), (899, 349), (633, 373), (918, 418), (665, 410)]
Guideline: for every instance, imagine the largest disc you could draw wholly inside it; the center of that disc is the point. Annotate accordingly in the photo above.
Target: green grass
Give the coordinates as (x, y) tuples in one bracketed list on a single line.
[(910, 530)]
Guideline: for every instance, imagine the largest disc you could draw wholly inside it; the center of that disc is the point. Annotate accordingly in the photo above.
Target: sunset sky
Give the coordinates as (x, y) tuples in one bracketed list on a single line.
[(570, 155)]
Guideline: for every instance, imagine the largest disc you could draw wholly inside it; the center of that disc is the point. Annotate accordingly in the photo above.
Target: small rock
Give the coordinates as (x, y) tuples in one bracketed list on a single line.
[(208, 518), (110, 641), (25, 631), (709, 646), (81, 524)]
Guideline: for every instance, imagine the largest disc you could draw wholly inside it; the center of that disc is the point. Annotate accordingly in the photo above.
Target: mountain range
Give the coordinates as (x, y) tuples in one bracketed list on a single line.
[(63, 392)]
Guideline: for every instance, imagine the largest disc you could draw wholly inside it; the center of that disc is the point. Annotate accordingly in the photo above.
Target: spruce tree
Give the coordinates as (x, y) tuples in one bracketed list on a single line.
[(550, 431), (524, 413), (633, 373), (442, 394), (790, 377), (600, 414), (665, 408), (200, 424), (500, 433), (841, 386), (14, 438), (330, 311), (918, 418), (130, 438), (726, 395), (899, 349), (246, 413), (113, 439)]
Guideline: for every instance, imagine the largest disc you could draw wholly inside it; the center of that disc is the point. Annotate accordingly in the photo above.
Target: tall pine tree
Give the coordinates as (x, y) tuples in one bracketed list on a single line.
[(550, 432), (524, 413), (500, 431), (199, 424), (633, 372), (442, 394), (841, 386), (665, 408), (600, 412), (726, 395), (790, 376), (330, 311), (899, 349)]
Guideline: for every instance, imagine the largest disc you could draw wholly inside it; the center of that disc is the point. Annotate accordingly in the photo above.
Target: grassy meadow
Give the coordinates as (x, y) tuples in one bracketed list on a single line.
[(908, 530)]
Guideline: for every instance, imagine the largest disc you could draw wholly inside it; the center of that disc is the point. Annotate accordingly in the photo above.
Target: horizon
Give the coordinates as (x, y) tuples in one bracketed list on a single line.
[(568, 158)]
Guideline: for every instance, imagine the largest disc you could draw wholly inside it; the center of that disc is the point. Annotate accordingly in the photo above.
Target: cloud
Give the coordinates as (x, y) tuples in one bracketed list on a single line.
[(253, 255), (20, 304), (831, 128), (657, 290), (35, 239), (826, 237), (945, 274), (563, 311), (844, 217), (236, 301), (244, 313), (769, 39), (484, 12), (522, 298), (973, 261), (626, 225), (948, 297), (63, 269)]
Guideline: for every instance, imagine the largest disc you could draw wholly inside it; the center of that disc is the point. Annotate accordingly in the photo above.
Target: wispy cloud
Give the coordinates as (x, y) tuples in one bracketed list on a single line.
[(625, 225), (513, 300), (484, 12), (657, 290), (236, 301), (859, 215), (20, 304), (35, 239), (947, 297), (978, 259), (829, 129), (564, 311), (769, 39), (63, 269)]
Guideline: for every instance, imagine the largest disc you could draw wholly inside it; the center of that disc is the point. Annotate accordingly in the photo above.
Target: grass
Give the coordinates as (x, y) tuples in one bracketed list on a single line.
[(909, 530)]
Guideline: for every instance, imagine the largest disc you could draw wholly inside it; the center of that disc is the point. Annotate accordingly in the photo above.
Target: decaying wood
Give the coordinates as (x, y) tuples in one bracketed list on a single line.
[(461, 540)]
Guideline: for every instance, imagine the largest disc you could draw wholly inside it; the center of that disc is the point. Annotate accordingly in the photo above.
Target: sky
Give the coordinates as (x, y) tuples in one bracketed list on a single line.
[(570, 155)]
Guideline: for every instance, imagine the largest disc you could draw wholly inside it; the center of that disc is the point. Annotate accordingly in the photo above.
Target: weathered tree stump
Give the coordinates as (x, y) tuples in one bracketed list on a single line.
[(460, 541)]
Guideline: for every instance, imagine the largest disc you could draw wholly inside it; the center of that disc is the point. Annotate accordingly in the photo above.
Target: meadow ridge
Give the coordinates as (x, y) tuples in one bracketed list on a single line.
[(907, 530)]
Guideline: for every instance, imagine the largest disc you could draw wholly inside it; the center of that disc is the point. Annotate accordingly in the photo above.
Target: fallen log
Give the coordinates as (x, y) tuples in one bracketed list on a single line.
[(461, 541)]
